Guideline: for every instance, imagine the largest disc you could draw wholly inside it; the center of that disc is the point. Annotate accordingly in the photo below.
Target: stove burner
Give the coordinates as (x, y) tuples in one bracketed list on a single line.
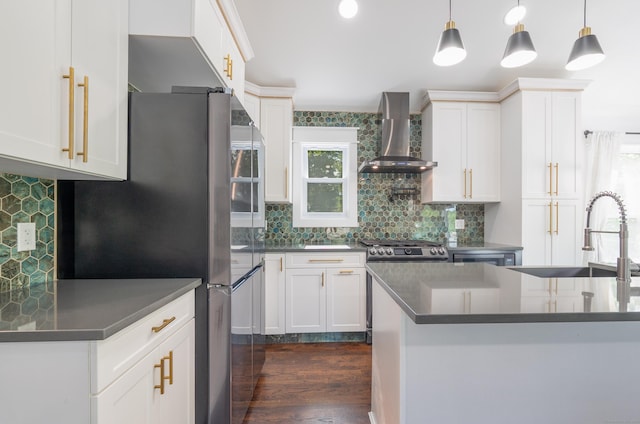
[(405, 250)]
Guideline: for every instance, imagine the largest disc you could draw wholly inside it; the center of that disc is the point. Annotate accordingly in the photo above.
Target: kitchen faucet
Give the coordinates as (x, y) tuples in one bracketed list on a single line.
[(623, 266)]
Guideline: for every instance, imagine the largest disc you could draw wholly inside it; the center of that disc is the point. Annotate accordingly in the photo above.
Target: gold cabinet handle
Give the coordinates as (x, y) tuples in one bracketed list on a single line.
[(170, 358), (550, 218), (557, 177), (346, 271), (165, 322), (470, 189), (323, 279), (465, 183), (326, 260), (85, 121), (71, 77), (550, 166), (228, 67), (163, 375), (280, 263), (557, 218), (286, 182)]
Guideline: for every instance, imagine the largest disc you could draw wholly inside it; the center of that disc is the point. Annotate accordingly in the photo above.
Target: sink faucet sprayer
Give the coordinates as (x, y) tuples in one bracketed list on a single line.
[(623, 266)]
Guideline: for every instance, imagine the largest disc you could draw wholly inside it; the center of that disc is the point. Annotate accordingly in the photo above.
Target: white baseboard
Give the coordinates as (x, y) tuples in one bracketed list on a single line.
[(372, 419)]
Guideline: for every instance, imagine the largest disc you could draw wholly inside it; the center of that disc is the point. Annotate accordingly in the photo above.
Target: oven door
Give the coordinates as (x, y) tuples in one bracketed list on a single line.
[(500, 259)]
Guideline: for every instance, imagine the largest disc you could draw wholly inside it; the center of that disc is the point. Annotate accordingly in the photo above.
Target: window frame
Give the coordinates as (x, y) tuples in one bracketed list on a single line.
[(307, 139)]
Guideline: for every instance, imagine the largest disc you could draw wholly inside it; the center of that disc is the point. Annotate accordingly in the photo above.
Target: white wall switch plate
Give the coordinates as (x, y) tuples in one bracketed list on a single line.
[(26, 236), (459, 224)]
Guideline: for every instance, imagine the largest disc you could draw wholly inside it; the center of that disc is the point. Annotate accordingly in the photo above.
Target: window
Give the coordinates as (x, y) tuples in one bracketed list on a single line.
[(325, 177), (627, 181)]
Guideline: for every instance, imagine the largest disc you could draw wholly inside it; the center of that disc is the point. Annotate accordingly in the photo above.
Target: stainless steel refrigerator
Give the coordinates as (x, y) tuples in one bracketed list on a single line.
[(192, 206)]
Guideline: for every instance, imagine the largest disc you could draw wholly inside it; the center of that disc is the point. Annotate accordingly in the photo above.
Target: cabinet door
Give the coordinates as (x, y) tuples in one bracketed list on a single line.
[(232, 64), (537, 215), (346, 299), (483, 301), (274, 294), (483, 152), (567, 224), (276, 120), (134, 397), (100, 53), (449, 150), (537, 177), (177, 404), (566, 146), (35, 38), (306, 300)]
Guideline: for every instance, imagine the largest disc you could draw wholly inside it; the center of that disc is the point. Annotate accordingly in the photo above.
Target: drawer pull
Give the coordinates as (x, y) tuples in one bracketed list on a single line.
[(165, 322), (326, 260), (346, 271)]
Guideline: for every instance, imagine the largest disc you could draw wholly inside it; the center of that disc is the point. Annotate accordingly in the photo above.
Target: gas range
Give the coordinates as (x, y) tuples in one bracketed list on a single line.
[(405, 250)]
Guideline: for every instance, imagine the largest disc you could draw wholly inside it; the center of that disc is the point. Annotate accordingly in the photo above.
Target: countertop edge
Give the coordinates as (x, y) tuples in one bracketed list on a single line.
[(84, 335)]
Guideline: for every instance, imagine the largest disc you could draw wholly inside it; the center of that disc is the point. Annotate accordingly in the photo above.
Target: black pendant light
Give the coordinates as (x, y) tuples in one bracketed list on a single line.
[(586, 51), (450, 48), (520, 49)]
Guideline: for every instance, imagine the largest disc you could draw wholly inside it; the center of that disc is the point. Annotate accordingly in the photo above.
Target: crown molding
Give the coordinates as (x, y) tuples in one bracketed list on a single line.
[(261, 91), (232, 18)]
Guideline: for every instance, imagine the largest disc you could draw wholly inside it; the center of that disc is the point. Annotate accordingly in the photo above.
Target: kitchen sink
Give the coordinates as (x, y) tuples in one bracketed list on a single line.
[(566, 272)]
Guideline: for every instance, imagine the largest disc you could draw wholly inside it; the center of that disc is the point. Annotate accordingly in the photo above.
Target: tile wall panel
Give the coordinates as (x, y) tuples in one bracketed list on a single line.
[(26, 199), (379, 215)]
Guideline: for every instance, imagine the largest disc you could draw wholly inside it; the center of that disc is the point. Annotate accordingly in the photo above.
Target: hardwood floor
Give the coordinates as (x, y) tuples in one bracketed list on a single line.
[(328, 383)]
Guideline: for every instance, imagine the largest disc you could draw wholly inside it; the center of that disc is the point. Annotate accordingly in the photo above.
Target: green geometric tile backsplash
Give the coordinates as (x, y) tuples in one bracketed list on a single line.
[(380, 215), (26, 199)]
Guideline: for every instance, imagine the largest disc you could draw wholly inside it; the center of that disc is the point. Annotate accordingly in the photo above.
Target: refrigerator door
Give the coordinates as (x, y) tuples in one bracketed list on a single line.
[(219, 299)]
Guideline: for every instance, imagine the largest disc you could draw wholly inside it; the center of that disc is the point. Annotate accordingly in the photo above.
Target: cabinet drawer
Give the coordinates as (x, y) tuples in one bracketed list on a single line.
[(115, 355), (325, 260)]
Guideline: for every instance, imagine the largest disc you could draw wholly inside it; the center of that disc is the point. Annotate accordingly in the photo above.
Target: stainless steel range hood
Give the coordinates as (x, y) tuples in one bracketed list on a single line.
[(394, 139)]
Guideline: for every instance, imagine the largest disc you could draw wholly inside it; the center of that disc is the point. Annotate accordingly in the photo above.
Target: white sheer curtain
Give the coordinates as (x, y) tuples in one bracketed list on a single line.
[(602, 153)]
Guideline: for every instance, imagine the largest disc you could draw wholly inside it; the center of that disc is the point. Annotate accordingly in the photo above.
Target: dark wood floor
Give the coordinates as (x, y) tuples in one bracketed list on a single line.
[(328, 383)]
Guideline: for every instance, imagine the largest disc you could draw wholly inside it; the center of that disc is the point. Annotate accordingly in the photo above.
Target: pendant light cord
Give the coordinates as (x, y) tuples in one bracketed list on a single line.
[(450, 9), (585, 13)]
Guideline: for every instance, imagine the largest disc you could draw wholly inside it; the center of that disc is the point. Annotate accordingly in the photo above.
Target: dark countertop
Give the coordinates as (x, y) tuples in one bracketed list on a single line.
[(488, 247), (418, 288), (355, 246), (327, 246), (71, 310)]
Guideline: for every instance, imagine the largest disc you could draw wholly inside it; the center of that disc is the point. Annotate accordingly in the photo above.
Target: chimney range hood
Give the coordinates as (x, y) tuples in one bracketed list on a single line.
[(394, 140)]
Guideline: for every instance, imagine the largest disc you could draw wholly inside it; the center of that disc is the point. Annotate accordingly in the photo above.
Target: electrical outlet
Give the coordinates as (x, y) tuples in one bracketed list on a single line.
[(459, 224), (26, 236)]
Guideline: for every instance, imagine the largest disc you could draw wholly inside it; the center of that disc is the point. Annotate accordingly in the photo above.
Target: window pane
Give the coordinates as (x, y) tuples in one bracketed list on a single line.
[(324, 197), (241, 163), (240, 195), (325, 163)]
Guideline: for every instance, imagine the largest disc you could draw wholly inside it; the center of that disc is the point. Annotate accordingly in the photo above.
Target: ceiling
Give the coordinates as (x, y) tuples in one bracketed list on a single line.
[(337, 64)]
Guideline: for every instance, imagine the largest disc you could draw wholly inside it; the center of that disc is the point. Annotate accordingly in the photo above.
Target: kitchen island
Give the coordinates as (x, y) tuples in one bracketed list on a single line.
[(475, 343)]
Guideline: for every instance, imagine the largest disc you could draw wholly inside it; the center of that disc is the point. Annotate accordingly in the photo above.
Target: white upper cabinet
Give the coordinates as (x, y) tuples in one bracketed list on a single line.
[(464, 138), (187, 42), (542, 206), (551, 144), (64, 108), (276, 120)]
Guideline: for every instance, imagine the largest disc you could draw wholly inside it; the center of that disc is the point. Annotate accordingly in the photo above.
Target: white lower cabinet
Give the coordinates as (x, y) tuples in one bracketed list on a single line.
[(552, 231), (142, 374), (325, 292), (158, 389), (274, 294)]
